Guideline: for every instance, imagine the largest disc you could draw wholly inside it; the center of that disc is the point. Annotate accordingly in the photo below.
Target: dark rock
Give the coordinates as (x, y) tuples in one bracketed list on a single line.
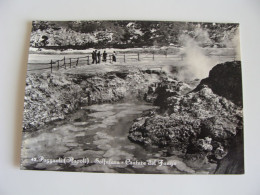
[(233, 162), (204, 122), (121, 74), (225, 80), (158, 93), (149, 71)]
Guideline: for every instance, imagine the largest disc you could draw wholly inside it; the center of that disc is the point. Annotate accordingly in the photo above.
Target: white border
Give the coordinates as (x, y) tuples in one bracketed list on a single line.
[(14, 42)]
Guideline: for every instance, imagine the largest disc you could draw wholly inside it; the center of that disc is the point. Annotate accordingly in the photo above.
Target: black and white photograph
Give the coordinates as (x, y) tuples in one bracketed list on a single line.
[(138, 97)]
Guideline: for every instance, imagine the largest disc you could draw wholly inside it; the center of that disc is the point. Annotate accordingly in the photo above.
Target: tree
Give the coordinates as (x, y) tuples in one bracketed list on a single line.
[(44, 41)]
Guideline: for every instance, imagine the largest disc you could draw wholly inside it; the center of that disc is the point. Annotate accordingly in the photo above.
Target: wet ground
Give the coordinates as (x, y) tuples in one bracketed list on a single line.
[(94, 139)]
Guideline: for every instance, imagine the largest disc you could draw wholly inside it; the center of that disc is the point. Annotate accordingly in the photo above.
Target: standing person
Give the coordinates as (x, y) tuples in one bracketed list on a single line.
[(94, 58), (114, 57), (104, 56), (98, 57)]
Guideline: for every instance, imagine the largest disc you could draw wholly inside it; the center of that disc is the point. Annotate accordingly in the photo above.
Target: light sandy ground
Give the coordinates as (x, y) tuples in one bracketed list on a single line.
[(160, 62), (146, 62), (119, 66)]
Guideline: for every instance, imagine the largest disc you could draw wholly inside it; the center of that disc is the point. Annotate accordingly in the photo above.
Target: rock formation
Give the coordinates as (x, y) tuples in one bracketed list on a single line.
[(50, 97), (205, 121), (225, 80)]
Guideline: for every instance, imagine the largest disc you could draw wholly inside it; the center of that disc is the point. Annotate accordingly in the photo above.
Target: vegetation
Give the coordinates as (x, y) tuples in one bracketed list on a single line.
[(127, 34)]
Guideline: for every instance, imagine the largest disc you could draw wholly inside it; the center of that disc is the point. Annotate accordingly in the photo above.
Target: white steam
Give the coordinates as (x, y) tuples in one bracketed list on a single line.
[(196, 63), (232, 40), (200, 53)]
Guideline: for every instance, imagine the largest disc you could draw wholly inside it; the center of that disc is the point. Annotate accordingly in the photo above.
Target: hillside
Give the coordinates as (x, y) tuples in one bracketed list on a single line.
[(129, 34)]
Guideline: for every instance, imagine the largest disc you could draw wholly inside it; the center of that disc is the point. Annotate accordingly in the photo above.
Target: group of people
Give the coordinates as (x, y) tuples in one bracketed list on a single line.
[(96, 57)]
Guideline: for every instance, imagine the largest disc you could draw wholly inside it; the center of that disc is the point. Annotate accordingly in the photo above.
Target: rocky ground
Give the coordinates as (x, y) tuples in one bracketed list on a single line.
[(51, 96), (204, 124)]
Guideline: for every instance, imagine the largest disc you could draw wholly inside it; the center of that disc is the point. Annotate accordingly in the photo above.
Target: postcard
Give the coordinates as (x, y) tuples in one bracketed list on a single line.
[(141, 97)]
